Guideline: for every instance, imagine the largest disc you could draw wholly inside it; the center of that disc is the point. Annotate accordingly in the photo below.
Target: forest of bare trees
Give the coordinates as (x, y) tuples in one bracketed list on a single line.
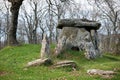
[(25, 21)]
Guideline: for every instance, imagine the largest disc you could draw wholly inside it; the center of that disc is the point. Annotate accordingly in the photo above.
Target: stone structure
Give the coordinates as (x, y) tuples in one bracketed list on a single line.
[(79, 33), (45, 50)]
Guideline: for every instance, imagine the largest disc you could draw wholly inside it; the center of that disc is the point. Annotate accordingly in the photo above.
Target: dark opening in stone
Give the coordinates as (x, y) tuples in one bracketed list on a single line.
[(75, 48)]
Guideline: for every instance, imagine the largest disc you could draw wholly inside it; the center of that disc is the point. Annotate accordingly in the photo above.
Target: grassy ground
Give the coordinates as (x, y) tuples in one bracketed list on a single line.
[(13, 60)]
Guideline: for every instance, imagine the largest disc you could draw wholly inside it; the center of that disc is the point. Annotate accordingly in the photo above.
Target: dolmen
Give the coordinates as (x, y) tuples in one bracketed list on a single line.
[(79, 34)]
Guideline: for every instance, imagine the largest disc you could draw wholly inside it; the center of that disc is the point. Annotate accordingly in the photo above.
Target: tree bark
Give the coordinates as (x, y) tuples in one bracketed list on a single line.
[(35, 25), (12, 40)]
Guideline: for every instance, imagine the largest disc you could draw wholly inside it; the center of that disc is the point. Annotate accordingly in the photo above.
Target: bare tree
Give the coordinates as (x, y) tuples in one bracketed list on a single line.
[(33, 20), (0, 35), (110, 10), (4, 21), (6, 12), (56, 10)]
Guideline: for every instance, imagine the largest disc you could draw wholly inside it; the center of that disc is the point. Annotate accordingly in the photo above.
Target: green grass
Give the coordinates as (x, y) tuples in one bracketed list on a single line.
[(13, 60)]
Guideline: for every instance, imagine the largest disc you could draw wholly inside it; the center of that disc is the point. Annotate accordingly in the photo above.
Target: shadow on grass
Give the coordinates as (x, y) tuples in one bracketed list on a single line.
[(112, 58)]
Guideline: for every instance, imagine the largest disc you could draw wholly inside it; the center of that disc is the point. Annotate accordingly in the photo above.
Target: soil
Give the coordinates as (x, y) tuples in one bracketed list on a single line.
[(2, 73)]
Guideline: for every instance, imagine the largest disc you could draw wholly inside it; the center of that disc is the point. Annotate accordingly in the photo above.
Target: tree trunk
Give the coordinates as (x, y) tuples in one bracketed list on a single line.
[(35, 24), (14, 21), (34, 37)]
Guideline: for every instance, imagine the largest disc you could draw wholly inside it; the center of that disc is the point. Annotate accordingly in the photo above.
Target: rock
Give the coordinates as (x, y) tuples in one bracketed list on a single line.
[(45, 50), (60, 46), (66, 63), (37, 62), (102, 73), (90, 51), (71, 37), (79, 23), (91, 47)]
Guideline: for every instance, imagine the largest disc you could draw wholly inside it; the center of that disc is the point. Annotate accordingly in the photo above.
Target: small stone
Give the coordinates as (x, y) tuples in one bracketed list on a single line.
[(102, 73), (66, 63)]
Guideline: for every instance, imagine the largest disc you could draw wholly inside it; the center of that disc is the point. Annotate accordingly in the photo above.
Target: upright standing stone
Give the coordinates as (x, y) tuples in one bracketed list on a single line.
[(90, 51), (91, 48), (44, 57), (60, 46), (45, 50)]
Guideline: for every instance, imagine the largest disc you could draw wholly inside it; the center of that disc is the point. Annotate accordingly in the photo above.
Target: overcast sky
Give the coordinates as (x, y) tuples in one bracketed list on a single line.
[(83, 3)]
